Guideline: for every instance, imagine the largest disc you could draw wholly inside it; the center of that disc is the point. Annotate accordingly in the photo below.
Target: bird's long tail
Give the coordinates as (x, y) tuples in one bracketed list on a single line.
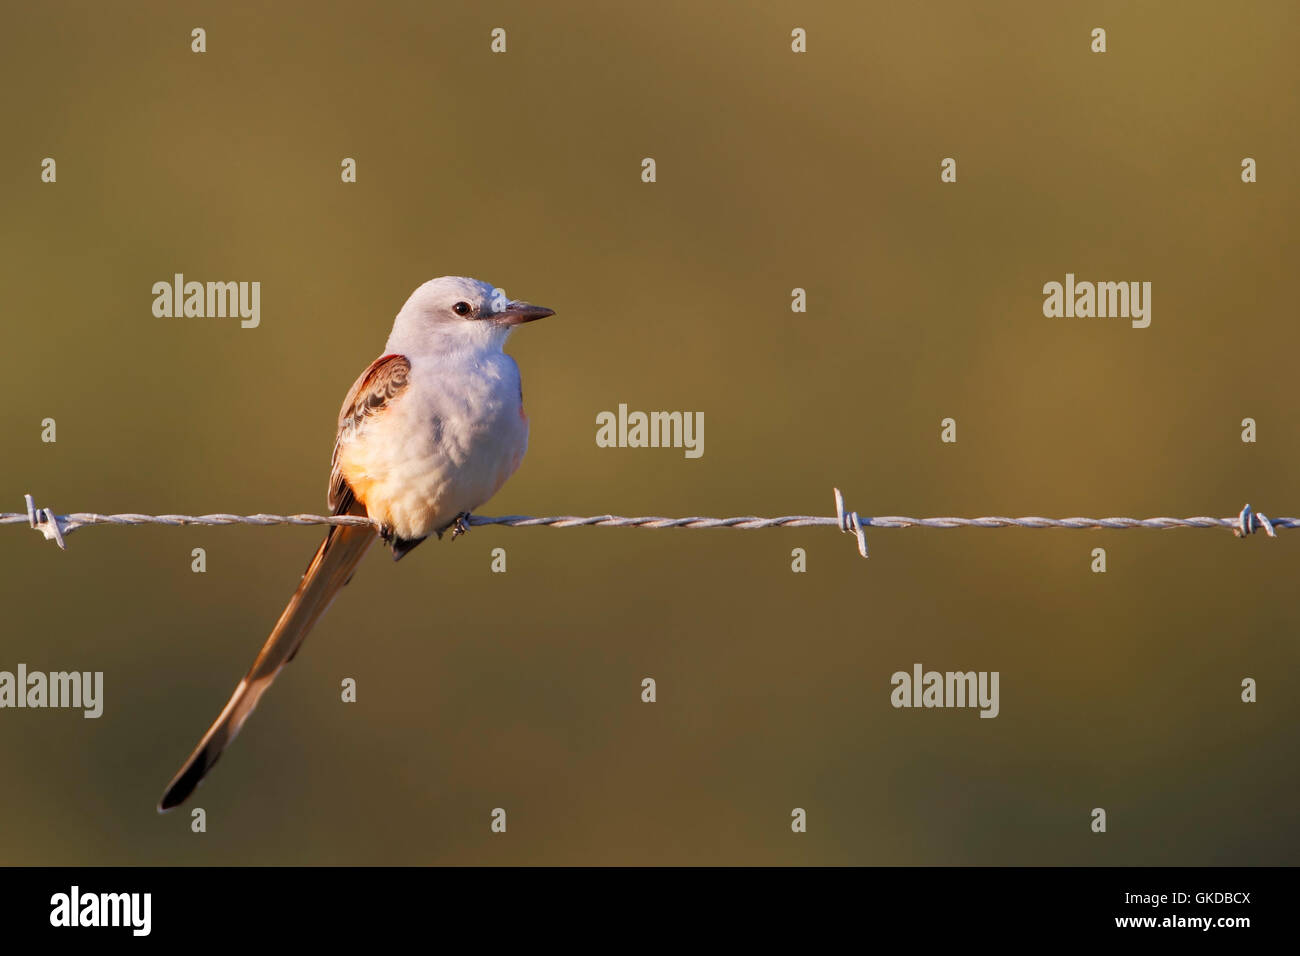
[(330, 569)]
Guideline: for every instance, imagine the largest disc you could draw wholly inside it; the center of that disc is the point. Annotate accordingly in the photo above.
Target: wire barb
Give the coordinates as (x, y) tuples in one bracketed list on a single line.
[(1250, 521), (46, 522), (850, 523)]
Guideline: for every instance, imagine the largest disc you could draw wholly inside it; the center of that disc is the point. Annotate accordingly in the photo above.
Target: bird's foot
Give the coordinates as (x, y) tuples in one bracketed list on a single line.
[(460, 525)]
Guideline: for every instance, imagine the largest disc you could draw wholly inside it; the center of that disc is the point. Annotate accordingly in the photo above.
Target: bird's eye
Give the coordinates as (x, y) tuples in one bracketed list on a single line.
[(461, 308)]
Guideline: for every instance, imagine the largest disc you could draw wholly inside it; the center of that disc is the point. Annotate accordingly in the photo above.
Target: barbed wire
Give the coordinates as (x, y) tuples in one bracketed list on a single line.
[(57, 527)]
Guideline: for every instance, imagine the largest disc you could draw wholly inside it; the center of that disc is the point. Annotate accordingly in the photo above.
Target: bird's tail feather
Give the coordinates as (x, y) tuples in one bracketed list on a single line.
[(329, 570)]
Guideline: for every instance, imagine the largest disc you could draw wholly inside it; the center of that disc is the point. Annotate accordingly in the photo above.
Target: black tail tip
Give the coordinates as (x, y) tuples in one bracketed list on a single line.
[(170, 800), (179, 790)]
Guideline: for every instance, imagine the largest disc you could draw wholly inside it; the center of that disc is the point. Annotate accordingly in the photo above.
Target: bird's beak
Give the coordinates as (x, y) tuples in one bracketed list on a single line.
[(517, 313)]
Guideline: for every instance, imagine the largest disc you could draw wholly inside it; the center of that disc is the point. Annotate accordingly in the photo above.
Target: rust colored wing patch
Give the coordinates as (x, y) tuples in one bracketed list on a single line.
[(369, 396)]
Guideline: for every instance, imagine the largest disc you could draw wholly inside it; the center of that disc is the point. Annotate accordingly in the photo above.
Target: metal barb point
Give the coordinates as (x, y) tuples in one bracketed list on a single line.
[(1250, 521), (46, 522), (850, 523)]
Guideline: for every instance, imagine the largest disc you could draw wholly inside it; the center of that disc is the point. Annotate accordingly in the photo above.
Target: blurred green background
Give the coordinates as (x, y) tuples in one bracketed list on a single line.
[(775, 170)]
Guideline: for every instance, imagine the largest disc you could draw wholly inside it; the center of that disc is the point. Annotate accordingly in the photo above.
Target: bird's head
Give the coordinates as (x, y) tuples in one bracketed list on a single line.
[(456, 312)]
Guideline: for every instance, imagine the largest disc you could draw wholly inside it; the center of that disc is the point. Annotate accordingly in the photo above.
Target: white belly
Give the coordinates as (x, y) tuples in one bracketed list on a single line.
[(445, 446)]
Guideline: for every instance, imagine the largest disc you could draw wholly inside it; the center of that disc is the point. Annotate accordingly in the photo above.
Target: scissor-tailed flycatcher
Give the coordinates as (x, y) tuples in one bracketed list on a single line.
[(429, 432)]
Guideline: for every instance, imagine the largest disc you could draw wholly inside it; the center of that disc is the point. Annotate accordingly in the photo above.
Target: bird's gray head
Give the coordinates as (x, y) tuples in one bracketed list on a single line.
[(454, 312)]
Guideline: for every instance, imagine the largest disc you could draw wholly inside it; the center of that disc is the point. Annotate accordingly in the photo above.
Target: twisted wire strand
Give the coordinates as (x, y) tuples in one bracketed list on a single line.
[(82, 519), (55, 527)]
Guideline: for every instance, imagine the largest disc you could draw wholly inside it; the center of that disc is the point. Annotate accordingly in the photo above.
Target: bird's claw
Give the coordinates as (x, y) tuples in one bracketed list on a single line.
[(460, 525)]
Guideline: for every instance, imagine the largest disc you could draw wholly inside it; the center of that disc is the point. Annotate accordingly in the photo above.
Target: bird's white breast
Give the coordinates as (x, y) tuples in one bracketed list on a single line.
[(446, 444)]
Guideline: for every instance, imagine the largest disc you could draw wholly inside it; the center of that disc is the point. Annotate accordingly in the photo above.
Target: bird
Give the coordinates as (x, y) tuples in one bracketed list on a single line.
[(428, 433)]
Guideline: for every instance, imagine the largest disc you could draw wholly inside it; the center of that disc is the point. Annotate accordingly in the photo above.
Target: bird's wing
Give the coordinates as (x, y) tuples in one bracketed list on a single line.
[(329, 570), (371, 394)]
